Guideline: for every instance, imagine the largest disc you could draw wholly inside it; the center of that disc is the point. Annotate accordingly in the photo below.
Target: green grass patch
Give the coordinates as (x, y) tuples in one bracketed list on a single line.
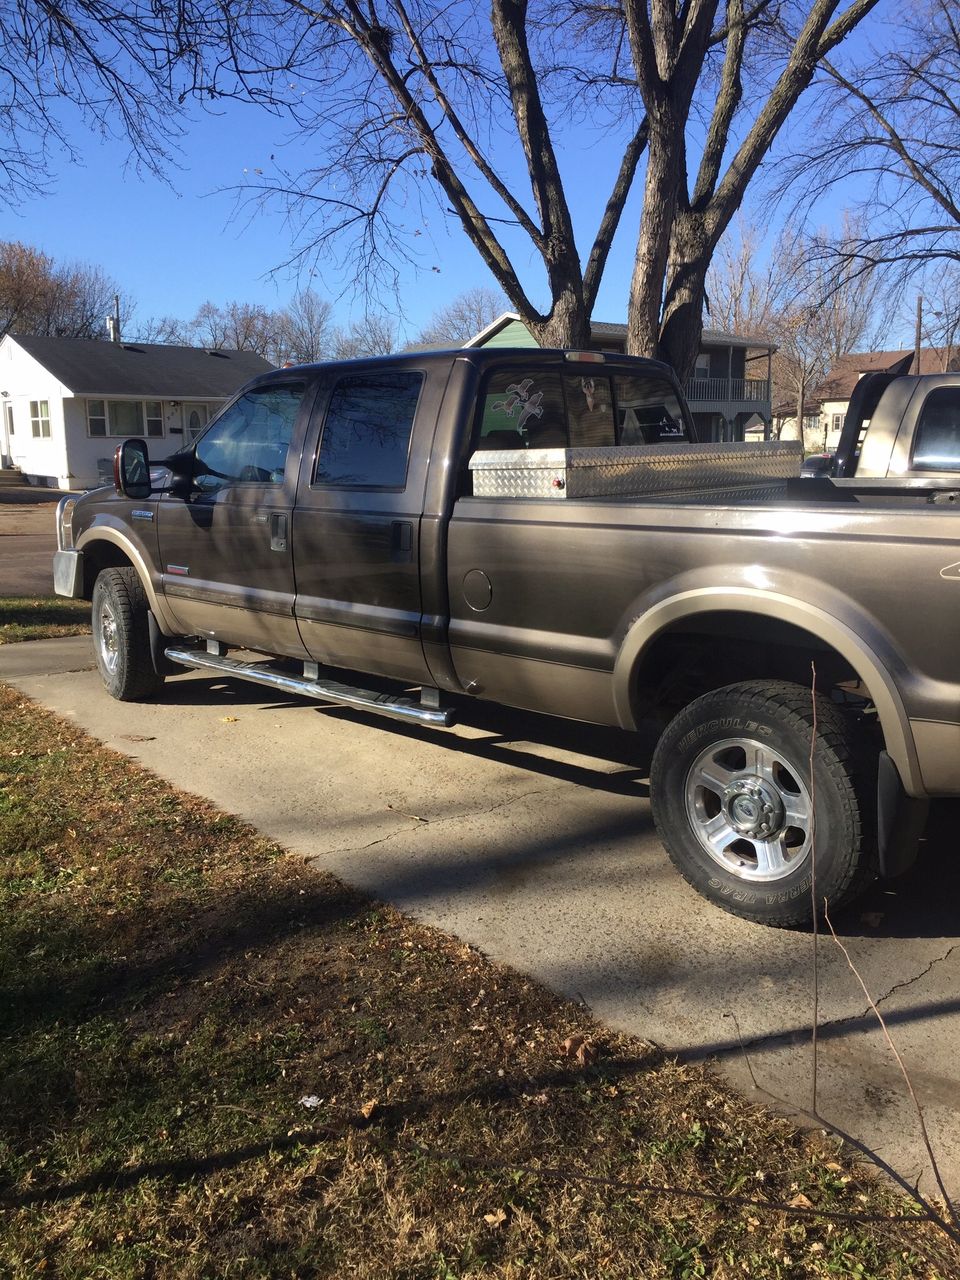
[(173, 987), (41, 618)]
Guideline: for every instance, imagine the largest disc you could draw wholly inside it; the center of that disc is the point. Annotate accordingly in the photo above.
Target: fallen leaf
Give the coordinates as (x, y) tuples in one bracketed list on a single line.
[(571, 1045), (495, 1219), (138, 737), (587, 1053), (229, 719), (310, 1101), (800, 1201), (369, 1108)]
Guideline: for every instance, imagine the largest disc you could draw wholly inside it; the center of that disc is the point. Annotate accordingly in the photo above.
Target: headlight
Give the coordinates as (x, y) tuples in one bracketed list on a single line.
[(65, 523)]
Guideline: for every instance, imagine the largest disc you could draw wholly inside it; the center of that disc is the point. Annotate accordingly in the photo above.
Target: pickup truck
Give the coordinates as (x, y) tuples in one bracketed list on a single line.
[(542, 529), (898, 426)]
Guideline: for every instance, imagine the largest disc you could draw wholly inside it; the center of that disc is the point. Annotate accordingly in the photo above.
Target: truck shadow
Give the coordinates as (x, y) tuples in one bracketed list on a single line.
[(917, 905)]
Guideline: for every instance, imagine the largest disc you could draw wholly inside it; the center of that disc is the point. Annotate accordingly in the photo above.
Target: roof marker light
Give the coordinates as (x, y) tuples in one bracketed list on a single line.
[(587, 357)]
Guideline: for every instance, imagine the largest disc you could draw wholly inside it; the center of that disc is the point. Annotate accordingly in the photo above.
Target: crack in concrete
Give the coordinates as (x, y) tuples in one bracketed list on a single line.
[(797, 1036), (908, 982), (435, 822)]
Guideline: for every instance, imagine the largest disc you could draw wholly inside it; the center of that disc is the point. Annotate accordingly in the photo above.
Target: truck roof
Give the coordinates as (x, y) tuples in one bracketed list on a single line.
[(482, 357)]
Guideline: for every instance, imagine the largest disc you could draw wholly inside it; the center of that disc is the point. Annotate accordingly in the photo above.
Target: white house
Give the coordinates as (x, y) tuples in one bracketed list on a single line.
[(67, 401)]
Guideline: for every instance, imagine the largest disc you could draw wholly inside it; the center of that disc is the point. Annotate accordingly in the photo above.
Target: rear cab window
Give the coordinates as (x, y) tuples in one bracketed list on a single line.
[(936, 444), (595, 410)]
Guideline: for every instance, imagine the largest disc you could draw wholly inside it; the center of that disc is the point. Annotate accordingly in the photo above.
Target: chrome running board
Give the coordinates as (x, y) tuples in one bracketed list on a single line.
[(344, 695)]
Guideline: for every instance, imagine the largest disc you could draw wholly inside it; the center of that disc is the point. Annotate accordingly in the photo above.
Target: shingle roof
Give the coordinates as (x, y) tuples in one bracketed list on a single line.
[(845, 374), (600, 329), (709, 337), (93, 367)]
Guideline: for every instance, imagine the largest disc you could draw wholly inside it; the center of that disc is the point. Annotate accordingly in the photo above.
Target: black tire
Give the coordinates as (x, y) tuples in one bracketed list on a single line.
[(733, 803), (121, 636)]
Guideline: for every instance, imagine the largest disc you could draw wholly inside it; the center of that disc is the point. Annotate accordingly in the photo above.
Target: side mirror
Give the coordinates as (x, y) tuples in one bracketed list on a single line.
[(131, 469)]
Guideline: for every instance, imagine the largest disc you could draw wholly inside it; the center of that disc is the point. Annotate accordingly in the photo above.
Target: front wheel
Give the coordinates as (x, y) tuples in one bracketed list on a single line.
[(121, 635), (740, 815)]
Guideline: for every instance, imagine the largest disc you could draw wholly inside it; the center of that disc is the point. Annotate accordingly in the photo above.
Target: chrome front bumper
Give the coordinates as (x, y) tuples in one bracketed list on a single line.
[(68, 574)]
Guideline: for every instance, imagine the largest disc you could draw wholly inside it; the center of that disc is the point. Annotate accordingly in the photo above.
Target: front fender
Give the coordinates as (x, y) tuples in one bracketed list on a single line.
[(117, 536)]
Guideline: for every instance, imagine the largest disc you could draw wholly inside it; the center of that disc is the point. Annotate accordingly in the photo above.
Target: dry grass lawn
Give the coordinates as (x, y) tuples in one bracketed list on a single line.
[(31, 618), (217, 1062)]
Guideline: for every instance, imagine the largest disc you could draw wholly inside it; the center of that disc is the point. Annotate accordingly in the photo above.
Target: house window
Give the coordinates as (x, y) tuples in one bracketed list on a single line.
[(836, 422), (154, 416), (124, 418), (96, 418), (40, 418)]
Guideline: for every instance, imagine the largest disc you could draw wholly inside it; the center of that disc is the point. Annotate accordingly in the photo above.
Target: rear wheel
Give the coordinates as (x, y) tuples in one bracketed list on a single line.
[(741, 816), (121, 635)]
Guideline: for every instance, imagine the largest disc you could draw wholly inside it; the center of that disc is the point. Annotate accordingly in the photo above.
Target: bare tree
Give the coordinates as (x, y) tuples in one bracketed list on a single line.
[(40, 297), (399, 98), (893, 125), (941, 318), (402, 100), (465, 316), (305, 329), (798, 298), (775, 49), (375, 335), (114, 64), (235, 326)]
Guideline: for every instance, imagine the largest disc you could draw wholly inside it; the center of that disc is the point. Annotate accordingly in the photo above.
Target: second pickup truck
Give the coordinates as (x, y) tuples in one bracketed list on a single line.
[(543, 530)]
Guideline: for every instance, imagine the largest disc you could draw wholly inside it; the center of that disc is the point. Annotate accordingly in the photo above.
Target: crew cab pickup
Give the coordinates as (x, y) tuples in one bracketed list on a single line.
[(542, 529)]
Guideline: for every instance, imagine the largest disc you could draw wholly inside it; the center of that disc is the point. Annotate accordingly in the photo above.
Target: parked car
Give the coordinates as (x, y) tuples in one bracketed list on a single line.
[(472, 524), (818, 464)]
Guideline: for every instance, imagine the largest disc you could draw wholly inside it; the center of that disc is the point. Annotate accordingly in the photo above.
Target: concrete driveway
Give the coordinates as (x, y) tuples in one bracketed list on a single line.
[(532, 839)]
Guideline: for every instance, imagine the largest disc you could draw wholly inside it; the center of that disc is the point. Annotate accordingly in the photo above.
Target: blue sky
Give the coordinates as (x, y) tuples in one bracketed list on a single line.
[(173, 246)]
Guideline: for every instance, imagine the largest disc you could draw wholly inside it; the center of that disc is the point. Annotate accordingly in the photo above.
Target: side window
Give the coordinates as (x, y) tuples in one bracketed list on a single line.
[(936, 446), (648, 411), (590, 412), (366, 433), (248, 443), (519, 411)]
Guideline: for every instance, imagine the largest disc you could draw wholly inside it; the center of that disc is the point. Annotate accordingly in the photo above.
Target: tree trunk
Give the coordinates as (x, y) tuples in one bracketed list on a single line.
[(568, 325), (662, 183), (682, 325)]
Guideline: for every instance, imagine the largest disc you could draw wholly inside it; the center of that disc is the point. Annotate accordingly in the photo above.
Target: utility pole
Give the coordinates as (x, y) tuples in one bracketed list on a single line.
[(918, 338)]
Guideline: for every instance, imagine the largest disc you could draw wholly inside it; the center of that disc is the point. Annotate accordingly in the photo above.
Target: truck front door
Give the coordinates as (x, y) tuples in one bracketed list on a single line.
[(356, 526), (225, 547)]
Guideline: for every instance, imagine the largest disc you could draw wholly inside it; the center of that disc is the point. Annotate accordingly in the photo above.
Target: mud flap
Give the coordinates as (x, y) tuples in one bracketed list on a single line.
[(158, 643), (901, 820)]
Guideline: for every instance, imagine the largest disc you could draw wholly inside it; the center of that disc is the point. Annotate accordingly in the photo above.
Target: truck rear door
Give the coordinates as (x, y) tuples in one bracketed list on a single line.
[(356, 524)]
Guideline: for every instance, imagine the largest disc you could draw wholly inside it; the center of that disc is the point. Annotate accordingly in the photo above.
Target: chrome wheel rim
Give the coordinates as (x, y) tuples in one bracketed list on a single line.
[(108, 640), (750, 809)]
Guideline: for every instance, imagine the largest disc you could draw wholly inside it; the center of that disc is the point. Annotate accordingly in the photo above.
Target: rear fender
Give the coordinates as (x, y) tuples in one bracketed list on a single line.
[(828, 629)]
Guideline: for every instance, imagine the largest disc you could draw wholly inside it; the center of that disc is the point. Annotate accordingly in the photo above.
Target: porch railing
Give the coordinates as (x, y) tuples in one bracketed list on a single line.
[(730, 390)]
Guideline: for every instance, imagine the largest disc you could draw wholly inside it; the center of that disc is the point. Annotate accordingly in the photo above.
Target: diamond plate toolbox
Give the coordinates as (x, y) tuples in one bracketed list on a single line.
[(633, 470)]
